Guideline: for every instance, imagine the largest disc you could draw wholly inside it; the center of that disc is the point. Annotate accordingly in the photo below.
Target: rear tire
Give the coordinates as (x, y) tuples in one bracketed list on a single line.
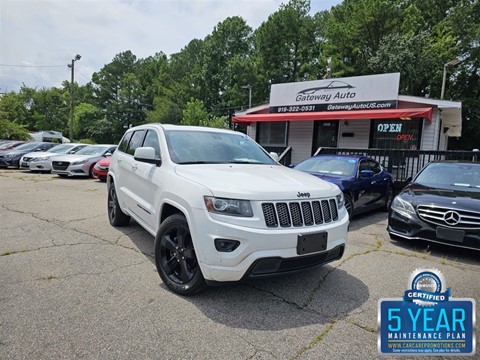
[(388, 198), (175, 257), (115, 214)]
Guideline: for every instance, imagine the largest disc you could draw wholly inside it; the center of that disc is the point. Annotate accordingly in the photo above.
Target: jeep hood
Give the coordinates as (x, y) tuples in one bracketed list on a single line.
[(257, 182)]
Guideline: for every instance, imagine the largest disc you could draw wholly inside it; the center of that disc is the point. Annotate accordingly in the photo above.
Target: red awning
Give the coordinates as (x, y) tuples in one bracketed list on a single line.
[(338, 115)]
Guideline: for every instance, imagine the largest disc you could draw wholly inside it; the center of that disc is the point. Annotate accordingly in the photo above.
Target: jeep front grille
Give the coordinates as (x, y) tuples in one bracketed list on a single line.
[(460, 219), (299, 213)]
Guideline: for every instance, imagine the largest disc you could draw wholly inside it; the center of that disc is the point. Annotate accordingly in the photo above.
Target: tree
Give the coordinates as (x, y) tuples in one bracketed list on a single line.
[(225, 65), (11, 109), (353, 31), (195, 114), (286, 47), (119, 94)]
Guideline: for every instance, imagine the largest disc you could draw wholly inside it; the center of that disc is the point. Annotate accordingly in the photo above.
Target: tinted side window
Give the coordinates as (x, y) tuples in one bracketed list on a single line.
[(363, 166), (135, 142), (375, 167), (124, 142), (151, 140)]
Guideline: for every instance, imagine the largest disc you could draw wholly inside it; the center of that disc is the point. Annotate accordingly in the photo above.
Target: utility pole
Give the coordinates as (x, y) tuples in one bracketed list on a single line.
[(249, 87), (444, 80), (72, 103)]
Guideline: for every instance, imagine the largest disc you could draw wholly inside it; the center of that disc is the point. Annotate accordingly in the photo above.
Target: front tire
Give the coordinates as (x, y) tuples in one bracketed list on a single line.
[(175, 257), (349, 205), (115, 214)]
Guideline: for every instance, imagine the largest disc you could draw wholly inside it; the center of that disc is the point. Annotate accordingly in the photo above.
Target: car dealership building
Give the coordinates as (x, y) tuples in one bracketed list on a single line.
[(364, 112)]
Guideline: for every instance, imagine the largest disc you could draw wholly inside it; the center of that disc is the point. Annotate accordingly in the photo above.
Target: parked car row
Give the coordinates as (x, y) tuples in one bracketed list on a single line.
[(11, 157), (69, 159), (42, 161)]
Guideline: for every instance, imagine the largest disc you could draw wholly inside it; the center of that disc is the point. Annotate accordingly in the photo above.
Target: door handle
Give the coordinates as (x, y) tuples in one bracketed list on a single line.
[(373, 182), (119, 161), (134, 167)]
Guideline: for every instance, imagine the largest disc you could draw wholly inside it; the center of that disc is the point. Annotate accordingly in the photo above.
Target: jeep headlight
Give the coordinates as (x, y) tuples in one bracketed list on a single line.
[(79, 162), (340, 201), (232, 207), (403, 207)]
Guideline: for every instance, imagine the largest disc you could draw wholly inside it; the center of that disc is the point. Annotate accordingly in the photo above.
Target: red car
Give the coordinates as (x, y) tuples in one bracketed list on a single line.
[(100, 169)]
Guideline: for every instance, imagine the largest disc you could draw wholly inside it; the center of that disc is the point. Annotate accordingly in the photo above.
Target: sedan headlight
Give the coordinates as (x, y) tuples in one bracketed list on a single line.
[(403, 207), (46, 157), (80, 162), (340, 201), (228, 206)]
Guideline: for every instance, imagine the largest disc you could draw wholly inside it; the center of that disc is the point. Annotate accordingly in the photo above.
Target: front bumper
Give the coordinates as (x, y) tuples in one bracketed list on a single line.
[(41, 165), (262, 252), (74, 170), (9, 162), (99, 174), (414, 228)]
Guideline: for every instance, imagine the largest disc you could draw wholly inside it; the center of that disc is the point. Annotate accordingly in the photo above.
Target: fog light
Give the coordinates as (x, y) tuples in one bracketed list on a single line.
[(224, 245)]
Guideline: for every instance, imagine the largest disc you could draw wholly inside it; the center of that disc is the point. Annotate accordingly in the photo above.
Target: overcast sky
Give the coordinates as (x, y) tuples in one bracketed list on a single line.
[(38, 38)]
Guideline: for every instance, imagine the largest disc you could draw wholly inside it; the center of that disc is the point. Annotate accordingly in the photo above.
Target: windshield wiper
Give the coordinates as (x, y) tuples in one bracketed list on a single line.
[(194, 162), (245, 162)]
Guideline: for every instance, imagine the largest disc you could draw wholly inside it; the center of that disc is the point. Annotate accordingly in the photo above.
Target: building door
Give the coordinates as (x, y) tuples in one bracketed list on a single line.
[(325, 134)]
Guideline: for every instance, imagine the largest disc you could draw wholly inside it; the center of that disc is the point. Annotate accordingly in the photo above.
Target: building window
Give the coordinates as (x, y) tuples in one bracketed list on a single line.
[(396, 134), (272, 133)]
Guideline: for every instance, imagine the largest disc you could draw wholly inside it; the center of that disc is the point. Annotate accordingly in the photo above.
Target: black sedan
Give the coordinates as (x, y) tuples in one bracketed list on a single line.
[(12, 158), (364, 182), (441, 204)]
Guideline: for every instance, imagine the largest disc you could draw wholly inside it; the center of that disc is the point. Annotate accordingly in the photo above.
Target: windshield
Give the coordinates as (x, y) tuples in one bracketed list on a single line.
[(92, 150), (332, 165), (450, 175), (27, 146), (207, 147), (60, 149)]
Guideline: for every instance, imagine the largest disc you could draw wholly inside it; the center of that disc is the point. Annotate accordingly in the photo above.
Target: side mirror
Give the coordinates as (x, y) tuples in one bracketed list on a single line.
[(147, 155), (274, 155), (366, 173), (107, 154), (409, 179)]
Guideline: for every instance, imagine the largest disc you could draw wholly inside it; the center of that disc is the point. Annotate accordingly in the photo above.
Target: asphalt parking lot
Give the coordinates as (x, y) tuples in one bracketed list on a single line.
[(72, 286)]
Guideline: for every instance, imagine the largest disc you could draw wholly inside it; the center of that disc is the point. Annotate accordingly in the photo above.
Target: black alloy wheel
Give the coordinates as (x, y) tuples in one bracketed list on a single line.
[(175, 257), (115, 214)]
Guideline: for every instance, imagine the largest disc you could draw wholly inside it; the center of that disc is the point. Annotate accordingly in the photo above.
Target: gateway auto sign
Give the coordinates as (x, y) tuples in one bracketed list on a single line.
[(353, 93)]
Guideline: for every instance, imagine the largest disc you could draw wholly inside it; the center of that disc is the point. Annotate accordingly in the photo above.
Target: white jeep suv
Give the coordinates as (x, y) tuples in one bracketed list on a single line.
[(220, 207)]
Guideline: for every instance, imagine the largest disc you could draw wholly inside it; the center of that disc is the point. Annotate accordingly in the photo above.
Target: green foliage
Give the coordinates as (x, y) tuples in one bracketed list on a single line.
[(286, 47), (195, 114), (205, 82), (87, 141)]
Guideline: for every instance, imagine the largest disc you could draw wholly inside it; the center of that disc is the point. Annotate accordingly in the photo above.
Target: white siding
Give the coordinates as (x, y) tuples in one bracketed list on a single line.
[(430, 132), (252, 130), (361, 134), (300, 138)]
